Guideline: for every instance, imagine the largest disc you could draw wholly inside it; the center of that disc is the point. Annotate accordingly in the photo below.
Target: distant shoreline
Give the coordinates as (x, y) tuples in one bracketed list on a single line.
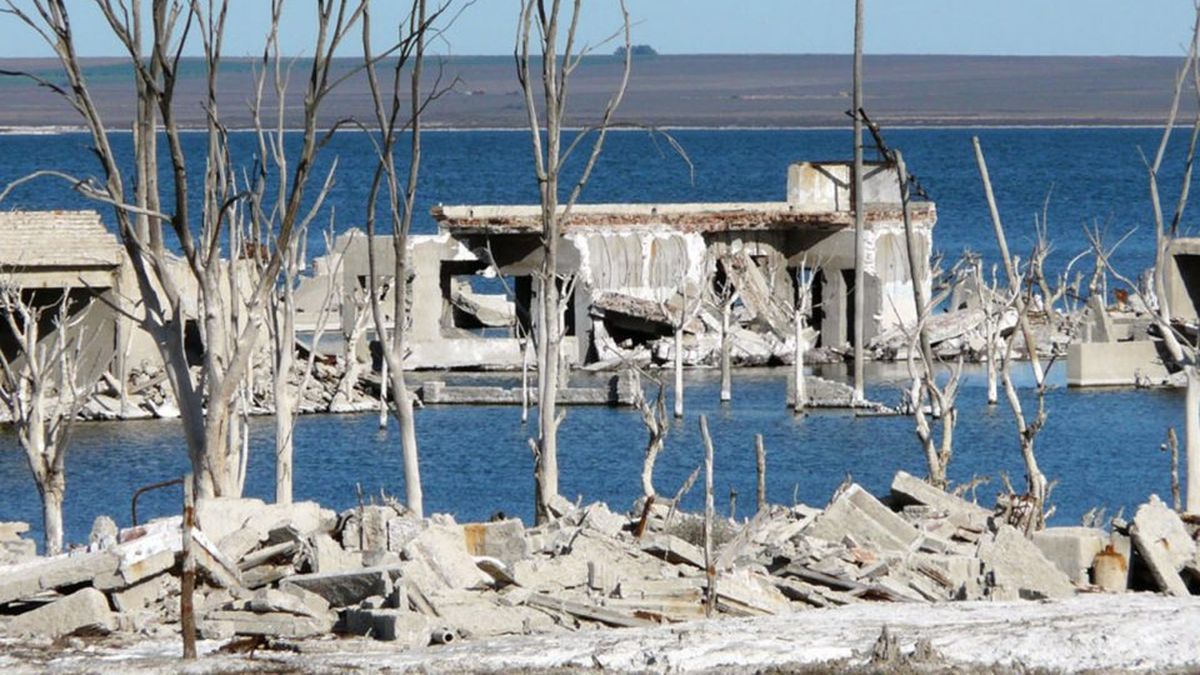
[(706, 92), (61, 131)]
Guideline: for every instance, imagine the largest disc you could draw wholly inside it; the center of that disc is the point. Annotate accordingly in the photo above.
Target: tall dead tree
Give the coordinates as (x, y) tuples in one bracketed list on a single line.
[(1181, 350), (43, 386), (393, 118), (547, 42), (231, 315)]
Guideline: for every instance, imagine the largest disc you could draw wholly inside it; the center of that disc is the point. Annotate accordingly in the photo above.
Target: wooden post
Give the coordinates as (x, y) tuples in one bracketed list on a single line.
[(760, 452), (859, 234), (709, 562), (187, 586)]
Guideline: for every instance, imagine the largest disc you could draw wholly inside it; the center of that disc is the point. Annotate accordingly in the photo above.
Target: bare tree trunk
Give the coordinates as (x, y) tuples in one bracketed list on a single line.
[(800, 392), (1010, 269), (384, 383), (52, 511), (285, 402), (1192, 438), (760, 454), (859, 215), (709, 511), (654, 417), (678, 372), (546, 122), (992, 354), (726, 354)]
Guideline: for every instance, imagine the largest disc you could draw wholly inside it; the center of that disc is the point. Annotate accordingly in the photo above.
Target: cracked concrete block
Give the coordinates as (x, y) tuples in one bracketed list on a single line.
[(12, 530), (855, 512), (409, 629), (279, 624), (141, 594), (908, 489), (329, 556), (1015, 568), (1071, 549), (401, 530), (86, 608), (504, 540), (269, 600), (1164, 544), (443, 549), (1157, 523), (345, 589)]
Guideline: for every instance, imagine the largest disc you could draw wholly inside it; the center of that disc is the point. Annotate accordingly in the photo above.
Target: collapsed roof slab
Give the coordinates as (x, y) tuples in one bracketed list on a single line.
[(700, 217)]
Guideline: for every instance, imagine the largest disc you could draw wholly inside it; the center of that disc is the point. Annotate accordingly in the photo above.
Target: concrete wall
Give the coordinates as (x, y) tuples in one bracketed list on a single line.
[(1091, 364), (815, 187)]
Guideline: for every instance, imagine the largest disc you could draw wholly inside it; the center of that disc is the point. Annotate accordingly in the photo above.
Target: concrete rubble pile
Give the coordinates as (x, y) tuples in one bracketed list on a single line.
[(277, 574), (148, 394)]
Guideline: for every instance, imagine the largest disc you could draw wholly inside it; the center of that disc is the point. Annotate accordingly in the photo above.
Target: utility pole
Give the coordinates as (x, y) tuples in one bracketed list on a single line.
[(858, 202)]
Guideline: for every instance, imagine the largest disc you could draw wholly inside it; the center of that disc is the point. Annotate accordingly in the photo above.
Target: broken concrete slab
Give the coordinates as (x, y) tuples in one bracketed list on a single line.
[(409, 629), (104, 533), (503, 540), (329, 556), (600, 518), (673, 550), (908, 489), (1015, 568), (443, 549), (401, 530), (856, 512), (18, 550), (1156, 523), (12, 530), (1071, 549), (276, 625), (269, 600), (84, 609), (143, 594), (345, 589)]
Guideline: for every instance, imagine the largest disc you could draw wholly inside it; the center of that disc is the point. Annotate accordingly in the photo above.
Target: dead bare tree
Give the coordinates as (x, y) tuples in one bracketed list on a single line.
[(679, 320), (1182, 351), (805, 337), (393, 119), (654, 417), (44, 385), (541, 26), (230, 317)]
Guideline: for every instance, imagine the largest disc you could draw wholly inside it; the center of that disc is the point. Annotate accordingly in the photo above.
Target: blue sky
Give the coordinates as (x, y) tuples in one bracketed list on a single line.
[(1054, 27)]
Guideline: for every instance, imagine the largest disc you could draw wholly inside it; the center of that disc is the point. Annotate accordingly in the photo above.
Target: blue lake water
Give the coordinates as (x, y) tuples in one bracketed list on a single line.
[(1102, 446)]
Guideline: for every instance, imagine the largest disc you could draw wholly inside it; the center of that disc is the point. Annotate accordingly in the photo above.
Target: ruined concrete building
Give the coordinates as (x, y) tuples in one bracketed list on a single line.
[(1118, 346), (68, 259), (631, 267)]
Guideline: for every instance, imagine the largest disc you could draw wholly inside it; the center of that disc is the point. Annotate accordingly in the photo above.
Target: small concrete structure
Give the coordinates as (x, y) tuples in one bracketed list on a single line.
[(52, 254), (1116, 348)]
